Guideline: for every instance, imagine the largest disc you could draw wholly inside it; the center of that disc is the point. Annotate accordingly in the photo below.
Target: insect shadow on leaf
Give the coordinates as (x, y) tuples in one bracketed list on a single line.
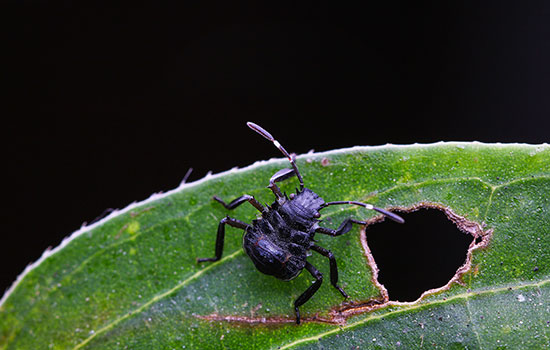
[(278, 242)]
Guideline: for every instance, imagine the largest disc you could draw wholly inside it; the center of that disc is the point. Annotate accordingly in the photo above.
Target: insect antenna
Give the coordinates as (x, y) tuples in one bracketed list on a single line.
[(268, 136), (389, 214)]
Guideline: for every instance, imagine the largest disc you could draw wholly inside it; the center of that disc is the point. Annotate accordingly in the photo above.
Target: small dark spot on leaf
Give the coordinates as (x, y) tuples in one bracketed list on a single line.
[(536, 269)]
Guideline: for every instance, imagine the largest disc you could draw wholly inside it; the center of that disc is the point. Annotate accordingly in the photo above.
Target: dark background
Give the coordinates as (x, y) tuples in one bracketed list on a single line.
[(107, 105)]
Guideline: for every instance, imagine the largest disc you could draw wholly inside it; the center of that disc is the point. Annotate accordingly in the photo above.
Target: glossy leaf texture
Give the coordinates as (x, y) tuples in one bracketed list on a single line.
[(131, 281)]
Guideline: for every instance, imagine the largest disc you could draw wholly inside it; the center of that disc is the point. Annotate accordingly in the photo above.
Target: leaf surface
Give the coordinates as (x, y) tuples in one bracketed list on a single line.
[(131, 280)]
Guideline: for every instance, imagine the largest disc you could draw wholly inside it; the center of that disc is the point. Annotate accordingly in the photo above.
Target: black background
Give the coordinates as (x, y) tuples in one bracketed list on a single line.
[(106, 105)]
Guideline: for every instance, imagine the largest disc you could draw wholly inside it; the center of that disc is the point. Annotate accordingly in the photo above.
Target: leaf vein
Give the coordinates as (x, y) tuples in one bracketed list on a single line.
[(156, 298), (473, 328), (407, 308)]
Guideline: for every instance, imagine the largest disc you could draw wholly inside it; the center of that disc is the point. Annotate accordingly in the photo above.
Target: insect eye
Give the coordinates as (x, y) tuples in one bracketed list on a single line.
[(292, 195), (317, 215)]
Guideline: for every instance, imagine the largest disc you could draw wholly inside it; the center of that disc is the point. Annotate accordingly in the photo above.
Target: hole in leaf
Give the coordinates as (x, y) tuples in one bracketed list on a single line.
[(424, 253)]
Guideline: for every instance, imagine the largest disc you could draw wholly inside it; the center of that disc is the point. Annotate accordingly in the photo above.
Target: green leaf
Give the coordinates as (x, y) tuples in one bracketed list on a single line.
[(131, 281)]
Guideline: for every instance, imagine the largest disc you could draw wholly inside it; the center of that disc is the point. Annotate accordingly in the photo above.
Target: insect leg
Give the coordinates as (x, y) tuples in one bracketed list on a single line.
[(333, 267), (221, 236), (344, 228), (310, 291), (240, 200)]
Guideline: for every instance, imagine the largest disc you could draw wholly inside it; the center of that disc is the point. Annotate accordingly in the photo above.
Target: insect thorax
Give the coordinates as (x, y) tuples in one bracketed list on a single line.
[(278, 242)]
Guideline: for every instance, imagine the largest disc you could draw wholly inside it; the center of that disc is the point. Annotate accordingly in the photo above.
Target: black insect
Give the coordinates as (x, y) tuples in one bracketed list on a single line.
[(278, 242)]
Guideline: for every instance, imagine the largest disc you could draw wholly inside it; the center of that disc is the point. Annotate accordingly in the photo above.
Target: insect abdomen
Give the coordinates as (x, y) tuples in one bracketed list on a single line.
[(274, 257)]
